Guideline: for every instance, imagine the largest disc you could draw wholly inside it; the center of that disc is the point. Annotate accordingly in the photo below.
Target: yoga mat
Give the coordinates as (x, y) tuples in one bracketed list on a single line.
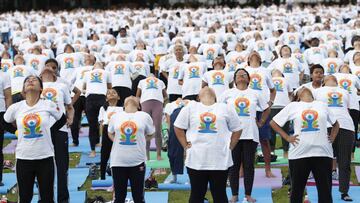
[(8, 135), (357, 172), (262, 195), (153, 163), (354, 192), (279, 161), (84, 121), (311, 182), (9, 180), (183, 182), (10, 148), (84, 146), (153, 197), (86, 161), (261, 181), (152, 144), (357, 156), (108, 182), (75, 197)]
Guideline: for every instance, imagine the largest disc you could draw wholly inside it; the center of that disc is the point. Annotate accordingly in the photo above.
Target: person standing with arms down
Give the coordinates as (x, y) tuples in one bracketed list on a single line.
[(212, 132)]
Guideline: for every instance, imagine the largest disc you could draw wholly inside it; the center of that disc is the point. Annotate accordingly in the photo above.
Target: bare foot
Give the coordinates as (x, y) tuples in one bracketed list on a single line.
[(250, 199), (269, 174), (92, 154), (98, 145), (234, 199), (286, 155), (73, 145)]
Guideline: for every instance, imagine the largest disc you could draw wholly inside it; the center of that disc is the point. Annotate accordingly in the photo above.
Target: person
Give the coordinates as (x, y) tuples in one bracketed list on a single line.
[(338, 101), (129, 131), (310, 149), (261, 82), (106, 112), (34, 151), (5, 102), (59, 93), (95, 85), (245, 101), (151, 92), (317, 76), (212, 132)]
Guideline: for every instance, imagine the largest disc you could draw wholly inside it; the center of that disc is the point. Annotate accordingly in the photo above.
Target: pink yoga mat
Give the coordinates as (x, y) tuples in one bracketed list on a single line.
[(261, 181), (10, 148), (311, 182)]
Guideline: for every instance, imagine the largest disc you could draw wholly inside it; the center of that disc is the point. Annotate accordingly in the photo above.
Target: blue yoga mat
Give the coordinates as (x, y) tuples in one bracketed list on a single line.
[(8, 135), (262, 195), (353, 192), (86, 161), (84, 121), (84, 146), (153, 197), (75, 197), (108, 182), (183, 183), (9, 180)]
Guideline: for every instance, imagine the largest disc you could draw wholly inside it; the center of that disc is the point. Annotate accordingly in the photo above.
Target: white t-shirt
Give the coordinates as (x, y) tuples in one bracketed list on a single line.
[(218, 80), (6, 65), (173, 67), (130, 130), (283, 89), (191, 75), (96, 81), (69, 63), (5, 83), (105, 115), (351, 83), (338, 102), (151, 88), (141, 68), (314, 55), (246, 102), (33, 124), (37, 62), (17, 75), (331, 65), (80, 76), (170, 107), (260, 80), (120, 72), (209, 131), (310, 124), (291, 69)]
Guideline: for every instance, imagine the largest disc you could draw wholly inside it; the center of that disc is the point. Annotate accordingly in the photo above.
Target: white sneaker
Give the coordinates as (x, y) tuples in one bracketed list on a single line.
[(335, 175)]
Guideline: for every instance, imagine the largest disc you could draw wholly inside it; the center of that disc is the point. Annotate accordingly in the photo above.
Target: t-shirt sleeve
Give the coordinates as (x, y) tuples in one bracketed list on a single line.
[(67, 96), (6, 81), (262, 103), (54, 110), (330, 116), (10, 114), (149, 128), (232, 119), (183, 119), (283, 116), (101, 114), (269, 81), (111, 128)]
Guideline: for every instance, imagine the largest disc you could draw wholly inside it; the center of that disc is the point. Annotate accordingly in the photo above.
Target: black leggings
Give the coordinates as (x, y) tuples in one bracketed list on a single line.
[(2, 131), (93, 104), (191, 97), (106, 145), (285, 144), (199, 180), (79, 107), (123, 93), (174, 97), (243, 153), (321, 167), (355, 117), (136, 175), (43, 171)]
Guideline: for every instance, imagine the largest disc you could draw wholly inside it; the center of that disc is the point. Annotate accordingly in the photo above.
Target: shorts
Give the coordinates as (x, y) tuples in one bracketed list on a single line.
[(265, 130)]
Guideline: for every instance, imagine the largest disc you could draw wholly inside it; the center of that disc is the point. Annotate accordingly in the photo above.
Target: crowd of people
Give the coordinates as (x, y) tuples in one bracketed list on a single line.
[(226, 80)]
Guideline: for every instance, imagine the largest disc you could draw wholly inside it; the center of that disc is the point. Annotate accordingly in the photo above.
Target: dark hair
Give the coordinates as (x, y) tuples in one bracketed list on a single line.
[(284, 46), (56, 63), (218, 58), (238, 70), (354, 39), (106, 104), (69, 46), (27, 78), (316, 66), (356, 53)]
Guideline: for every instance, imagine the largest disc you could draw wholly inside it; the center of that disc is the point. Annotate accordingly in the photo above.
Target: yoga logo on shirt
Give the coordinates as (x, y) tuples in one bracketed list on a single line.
[(32, 128), (231, 67), (331, 67), (292, 39), (128, 132), (229, 38), (35, 64), (161, 43), (119, 69), (151, 83), (18, 72), (5, 66), (242, 106), (357, 73), (218, 78), (94, 48), (69, 63), (300, 58), (124, 40), (335, 99), (261, 46), (146, 35), (79, 34), (96, 77), (336, 46), (176, 72), (288, 67), (210, 54), (309, 121), (330, 36), (316, 50), (345, 84), (207, 123), (194, 72), (255, 81), (278, 83), (181, 103), (239, 59), (49, 94)]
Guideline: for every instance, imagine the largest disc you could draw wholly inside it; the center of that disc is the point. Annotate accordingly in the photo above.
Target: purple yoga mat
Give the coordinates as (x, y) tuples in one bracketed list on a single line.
[(311, 182), (357, 172), (10, 148), (261, 181), (152, 144)]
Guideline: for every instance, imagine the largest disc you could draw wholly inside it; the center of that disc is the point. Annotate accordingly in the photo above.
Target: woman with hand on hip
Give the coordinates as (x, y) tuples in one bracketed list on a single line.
[(212, 131), (310, 146), (128, 131), (245, 101), (35, 151)]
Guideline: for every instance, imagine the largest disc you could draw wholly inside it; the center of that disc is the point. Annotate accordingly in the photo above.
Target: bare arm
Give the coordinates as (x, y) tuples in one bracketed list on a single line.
[(111, 136), (76, 96), (8, 97), (165, 74), (138, 93), (264, 117), (109, 86), (69, 114), (235, 136), (180, 135), (180, 81), (272, 94), (204, 84)]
